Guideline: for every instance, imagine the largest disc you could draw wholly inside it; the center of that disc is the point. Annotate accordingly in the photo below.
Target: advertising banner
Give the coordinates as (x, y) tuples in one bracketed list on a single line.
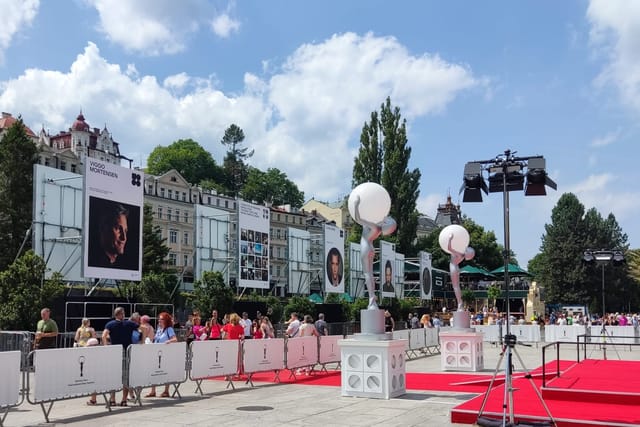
[(214, 358), (10, 374), (357, 286), (253, 245), (302, 351), (387, 264), (334, 259), (73, 372), (425, 275), (212, 241), (398, 275), (329, 349), (263, 355), (152, 364), (299, 265), (113, 200)]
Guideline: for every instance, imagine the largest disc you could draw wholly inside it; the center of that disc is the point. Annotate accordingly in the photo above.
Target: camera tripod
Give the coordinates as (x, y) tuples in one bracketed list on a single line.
[(509, 350)]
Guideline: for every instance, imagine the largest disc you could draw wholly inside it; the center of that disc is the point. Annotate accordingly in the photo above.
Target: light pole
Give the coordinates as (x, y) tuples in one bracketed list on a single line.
[(506, 173), (603, 257)]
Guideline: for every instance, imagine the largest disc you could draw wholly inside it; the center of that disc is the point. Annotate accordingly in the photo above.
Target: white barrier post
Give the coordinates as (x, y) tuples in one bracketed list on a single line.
[(214, 358), (263, 355), (329, 351)]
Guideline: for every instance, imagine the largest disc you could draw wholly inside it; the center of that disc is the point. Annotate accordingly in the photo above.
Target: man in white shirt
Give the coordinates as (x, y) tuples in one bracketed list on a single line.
[(245, 322), (294, 325)]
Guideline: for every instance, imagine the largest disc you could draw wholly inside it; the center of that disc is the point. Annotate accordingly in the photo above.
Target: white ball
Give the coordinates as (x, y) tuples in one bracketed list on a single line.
[(374, 202), (460, 238)]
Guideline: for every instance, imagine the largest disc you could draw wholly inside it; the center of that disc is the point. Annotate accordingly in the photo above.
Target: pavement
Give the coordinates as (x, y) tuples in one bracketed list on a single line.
[(269, 404)]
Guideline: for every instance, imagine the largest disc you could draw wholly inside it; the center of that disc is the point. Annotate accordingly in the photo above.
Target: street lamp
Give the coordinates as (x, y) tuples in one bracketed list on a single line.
[(603, 257), (506, 173)]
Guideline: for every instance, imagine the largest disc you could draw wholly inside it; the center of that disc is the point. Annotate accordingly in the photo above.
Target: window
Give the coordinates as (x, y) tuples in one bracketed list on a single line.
[(46, 162), (185, 260), (217, 202), (184, 196), (279, 252), (173, 179), (159, 212), (226, 204), (161, 191), (277, 270), (208, 200), (278, 217), (186, 217), (63, 166), (177, 215), (173, 258), (73, 168), (185, 238), (170, 193), (278, 233), (173, 236), (169, 213)]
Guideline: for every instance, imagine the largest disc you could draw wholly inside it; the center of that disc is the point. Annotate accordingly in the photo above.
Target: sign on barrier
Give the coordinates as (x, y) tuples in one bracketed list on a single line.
[(301, 351), (526, 333), (10, 374), (263, 355), (417, 339), (214, 358), (73, 372), (553, 333), (153, 364), (329, 350)]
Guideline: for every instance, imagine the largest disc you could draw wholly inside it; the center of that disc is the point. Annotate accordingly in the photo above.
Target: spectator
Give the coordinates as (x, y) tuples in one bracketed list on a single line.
[(294, 325), (233, 330), (136, 335), (199, 331), (389, 323), (46, 331), (246, 323), (119, 332), (91, 342), (308, 329), (215, 329), (425, 321), (321, 326), (148, 333), (266, 327), (164, 335), (256, 331), (414, 321), (437, 323), (84, 333), (189, 326)]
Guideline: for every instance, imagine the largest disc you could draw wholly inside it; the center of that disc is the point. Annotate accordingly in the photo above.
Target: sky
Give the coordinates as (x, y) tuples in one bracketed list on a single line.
[(472, 79)]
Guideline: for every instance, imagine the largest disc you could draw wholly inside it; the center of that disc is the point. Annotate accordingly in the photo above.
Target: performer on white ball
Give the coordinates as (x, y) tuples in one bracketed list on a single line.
[(454, 269), (370, 232)]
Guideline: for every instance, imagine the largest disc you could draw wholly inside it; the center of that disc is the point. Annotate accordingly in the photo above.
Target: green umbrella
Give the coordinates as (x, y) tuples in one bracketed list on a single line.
[(470, 270), (346, 297), (513, 269), (316, 298)]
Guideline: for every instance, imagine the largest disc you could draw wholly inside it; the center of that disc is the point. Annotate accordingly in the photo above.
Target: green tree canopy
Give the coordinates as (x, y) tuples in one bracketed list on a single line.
[(186, 156), (234, 165), (18, 153), (272, 186), (211, 293), (154, 249)]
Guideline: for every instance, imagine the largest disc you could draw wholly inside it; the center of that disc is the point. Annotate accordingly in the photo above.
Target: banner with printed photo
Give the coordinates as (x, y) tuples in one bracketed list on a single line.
[(387, 264), (425, 275), (334, 259), (253, 245), (113, 200), (299, 265)]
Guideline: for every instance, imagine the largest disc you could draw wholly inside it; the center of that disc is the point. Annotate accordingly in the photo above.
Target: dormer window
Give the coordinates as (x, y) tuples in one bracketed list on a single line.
[(173, 179)]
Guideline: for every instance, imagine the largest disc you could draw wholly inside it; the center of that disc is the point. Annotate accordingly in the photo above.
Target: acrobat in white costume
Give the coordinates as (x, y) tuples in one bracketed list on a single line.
[(370, 232)]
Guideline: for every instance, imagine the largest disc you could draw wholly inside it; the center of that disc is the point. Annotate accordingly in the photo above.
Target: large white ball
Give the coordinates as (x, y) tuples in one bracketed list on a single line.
[(460, 238), (374, 202)]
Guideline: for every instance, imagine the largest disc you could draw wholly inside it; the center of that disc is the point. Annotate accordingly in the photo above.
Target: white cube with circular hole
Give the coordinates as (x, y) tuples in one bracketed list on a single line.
[(374, 369), (461, 351)]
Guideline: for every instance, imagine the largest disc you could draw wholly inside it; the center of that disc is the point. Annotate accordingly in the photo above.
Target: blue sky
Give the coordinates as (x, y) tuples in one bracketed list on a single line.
[(559, 79)]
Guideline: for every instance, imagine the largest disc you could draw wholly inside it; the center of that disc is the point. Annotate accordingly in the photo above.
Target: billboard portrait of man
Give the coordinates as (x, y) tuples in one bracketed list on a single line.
[(388, 278), (334, 267), (113, 234)]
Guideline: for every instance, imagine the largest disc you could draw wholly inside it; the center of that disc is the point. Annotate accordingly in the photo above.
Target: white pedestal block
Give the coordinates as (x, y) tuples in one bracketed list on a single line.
[(374, 369), (461, 351)]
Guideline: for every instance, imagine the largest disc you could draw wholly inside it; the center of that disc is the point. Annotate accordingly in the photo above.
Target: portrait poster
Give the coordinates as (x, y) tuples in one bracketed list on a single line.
[(334, 259), (387, 269), (425, 275), (113, 200), (253, 245)]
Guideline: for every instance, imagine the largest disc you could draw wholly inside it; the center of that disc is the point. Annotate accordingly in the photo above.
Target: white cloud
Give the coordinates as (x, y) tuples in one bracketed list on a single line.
[(615, 34), (606, 140), (428, 205), (223, 25), (606, 194), (305, 118), (151, 27), (15, 15)]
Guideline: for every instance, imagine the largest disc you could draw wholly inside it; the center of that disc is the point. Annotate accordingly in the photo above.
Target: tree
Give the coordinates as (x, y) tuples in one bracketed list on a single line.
[(186, 156), (18, 153), (234, 166), (211, 293), (388, 165), (493, 293), (272, 186), (154, 249), (24, 293)]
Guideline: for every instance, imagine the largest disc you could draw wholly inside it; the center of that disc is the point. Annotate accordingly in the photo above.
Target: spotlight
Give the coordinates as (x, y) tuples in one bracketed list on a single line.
[(537, 178)]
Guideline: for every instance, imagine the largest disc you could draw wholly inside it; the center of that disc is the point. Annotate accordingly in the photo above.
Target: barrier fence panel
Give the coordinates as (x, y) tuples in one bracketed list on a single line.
[(10, 386), (21, 341), (157, 364), (262, 356), (67, 373), (526, 333), (613, 334), (329, 351), (553, 333), (301, 352), (417, 339), (403, 334), (490, 333), (215, 358), (431, 340)]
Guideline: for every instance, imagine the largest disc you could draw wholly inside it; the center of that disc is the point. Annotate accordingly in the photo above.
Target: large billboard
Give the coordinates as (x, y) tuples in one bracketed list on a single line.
[(334, 259), (425, 275), (57, 221), (387, 269), (253, 245), (212, 227), (113, 200), (299, 244), (357, 285), (398, 275)]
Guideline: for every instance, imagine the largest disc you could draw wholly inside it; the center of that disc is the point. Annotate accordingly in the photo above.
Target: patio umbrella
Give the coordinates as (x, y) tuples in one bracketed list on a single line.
[(470, 270), (513, 270), (316, 298)]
